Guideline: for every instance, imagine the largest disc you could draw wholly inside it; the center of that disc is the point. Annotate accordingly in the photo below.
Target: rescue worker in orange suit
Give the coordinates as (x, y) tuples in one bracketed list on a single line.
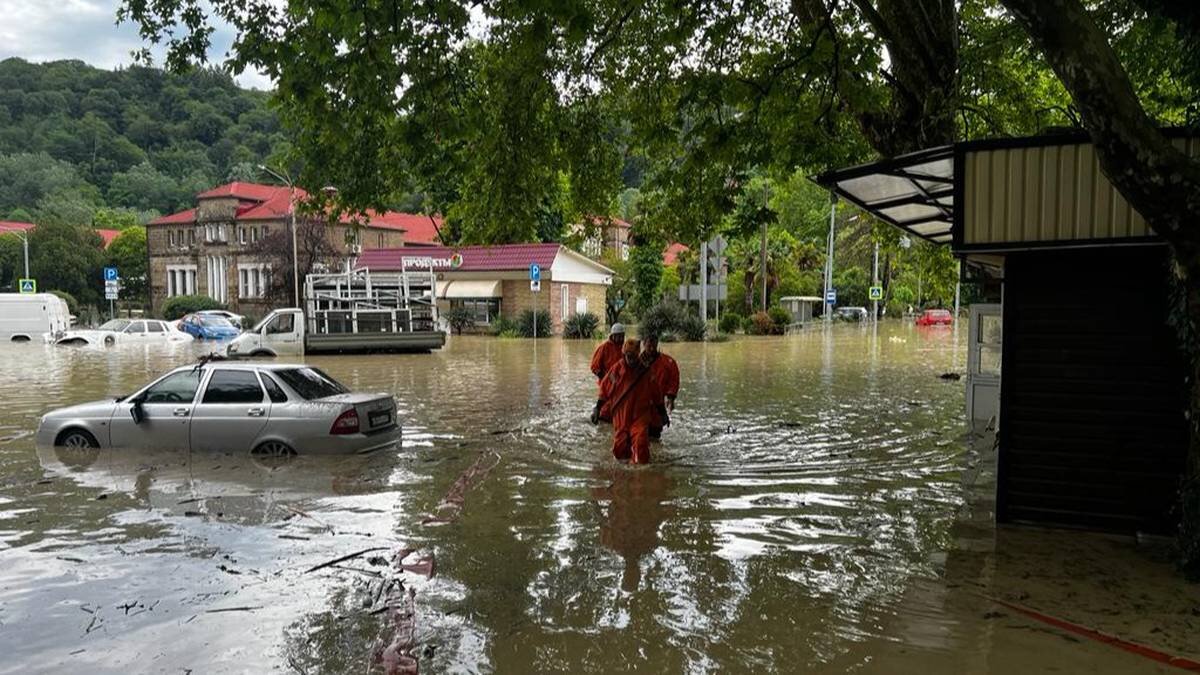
[(665, 373), (606, 356), (631, 398)]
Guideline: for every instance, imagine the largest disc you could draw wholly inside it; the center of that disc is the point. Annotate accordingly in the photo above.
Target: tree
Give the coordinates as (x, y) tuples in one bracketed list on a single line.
[(646, 267), (67, 257), (127, 252), (314, 250)]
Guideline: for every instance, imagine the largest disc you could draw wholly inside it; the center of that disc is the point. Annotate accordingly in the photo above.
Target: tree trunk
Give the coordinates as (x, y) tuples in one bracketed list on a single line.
[(1158, 180)]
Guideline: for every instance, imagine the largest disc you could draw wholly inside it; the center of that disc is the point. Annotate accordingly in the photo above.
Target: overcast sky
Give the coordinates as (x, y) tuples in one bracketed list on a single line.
[(49, 30)]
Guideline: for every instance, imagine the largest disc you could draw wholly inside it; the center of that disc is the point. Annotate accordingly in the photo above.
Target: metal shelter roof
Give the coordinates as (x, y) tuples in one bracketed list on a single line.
[(914, 192)]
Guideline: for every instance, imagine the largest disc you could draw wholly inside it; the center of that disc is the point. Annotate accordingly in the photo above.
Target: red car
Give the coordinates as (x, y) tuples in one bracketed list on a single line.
[(935, 317)]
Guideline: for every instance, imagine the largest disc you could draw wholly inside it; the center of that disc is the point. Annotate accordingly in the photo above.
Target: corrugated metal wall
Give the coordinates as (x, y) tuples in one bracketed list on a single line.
[(1045, 194), (1092, 426)]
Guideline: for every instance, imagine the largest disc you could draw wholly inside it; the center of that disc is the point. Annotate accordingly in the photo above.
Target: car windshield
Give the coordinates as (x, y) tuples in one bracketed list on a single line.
[(311, 383), (214, 321), (114, 325)]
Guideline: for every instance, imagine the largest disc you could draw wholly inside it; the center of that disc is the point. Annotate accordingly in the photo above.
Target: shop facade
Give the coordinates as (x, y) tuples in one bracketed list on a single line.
[(493, 281)]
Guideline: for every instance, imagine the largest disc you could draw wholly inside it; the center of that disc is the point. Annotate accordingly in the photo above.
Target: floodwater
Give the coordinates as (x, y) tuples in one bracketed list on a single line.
[(817, 506)]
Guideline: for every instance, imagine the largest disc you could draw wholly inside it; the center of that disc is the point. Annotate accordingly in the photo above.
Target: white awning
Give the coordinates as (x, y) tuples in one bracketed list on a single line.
[(469, 289)]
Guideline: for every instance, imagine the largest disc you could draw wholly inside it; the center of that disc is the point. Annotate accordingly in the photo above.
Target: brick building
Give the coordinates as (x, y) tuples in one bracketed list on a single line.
[(493, 281), (208, 250)]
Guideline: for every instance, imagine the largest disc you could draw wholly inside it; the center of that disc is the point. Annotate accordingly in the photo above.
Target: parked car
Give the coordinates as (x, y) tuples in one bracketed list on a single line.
[(851, 313), (935, 317), (266, 410), (124, 331), (235, 319), (208, 327), (29, 317)]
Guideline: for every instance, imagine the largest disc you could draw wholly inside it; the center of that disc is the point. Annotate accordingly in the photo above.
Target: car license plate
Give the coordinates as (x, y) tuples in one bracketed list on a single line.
[(380, 418)]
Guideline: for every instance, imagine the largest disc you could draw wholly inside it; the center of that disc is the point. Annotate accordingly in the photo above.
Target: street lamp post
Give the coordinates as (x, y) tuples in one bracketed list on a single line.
[(25, 243), (292, 225)]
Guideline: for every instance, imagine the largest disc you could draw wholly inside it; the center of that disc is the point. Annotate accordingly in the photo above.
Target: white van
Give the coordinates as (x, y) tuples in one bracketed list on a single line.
[(32, 317)]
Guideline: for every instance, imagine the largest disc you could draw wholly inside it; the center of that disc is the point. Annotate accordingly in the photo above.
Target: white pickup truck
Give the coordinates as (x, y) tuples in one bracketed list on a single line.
[(285, 332)]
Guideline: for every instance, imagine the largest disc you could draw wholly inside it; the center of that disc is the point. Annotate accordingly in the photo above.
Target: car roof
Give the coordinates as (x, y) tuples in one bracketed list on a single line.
[(241, 365)]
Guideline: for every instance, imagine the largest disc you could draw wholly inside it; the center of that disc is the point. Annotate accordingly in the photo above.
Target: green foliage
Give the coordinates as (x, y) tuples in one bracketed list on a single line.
[(645, 262), (72, 303), (853, 285), (581, 326), (67, 258), (779, 317), (460, 319), (670, 321), (762, 323), (502, 325), (182, 305), (730, 322), (525, 323), (127, 253), (136, 137)]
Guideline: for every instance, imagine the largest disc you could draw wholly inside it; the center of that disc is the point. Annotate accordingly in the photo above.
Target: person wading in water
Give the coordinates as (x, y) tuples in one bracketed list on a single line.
[(665, 373), (631, 398), (605, 358)]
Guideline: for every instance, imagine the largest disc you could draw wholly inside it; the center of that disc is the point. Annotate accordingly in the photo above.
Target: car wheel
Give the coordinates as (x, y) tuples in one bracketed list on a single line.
[(76, 439), (273, 449)]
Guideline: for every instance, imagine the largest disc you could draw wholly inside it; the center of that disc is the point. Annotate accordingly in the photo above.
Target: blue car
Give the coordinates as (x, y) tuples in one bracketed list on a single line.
[(207, 327)]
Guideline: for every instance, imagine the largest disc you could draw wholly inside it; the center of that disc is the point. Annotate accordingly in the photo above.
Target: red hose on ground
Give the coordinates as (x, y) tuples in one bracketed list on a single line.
[(1091, 633)]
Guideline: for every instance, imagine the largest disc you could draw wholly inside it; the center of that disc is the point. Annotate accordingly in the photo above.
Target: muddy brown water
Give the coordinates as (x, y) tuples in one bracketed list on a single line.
[(817, 506)]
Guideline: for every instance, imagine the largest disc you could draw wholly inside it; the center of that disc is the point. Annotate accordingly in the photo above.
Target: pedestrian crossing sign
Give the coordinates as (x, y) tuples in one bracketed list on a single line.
[(27, 285), (876, 293)]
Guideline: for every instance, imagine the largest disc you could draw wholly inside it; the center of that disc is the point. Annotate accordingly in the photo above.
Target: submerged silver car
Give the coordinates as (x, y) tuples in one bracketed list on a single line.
[(264, 409)]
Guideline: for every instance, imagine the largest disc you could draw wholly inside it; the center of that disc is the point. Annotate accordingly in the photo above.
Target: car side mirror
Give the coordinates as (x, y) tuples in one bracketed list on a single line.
[(136, 411)]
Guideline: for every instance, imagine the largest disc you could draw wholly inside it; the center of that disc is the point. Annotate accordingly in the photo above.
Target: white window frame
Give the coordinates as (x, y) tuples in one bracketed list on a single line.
[(181, 280), (252, 280)]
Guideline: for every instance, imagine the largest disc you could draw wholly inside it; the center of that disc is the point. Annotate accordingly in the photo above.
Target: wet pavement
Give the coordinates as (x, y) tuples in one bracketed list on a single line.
[(817, 506)]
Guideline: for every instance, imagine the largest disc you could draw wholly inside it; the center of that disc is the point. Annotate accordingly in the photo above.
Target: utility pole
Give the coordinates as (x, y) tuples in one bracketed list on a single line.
[(875, 282), (829, 257), (25, 244), (704, 281), (292, 225)]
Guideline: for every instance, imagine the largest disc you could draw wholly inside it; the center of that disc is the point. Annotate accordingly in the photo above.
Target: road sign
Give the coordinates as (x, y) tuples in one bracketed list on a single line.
[(535, 285), (688, 292), (27, 285), (535, 272), (110, 294), (717, 245), (831, 296), (875, 293), (110, 274), (112, 283)]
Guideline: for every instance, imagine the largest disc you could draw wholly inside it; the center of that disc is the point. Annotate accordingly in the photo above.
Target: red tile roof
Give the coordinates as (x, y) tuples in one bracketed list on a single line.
[(108, 236), (14, 226), (604, 220), (254, 192), (273, 202), (474, 258), (671, 255)]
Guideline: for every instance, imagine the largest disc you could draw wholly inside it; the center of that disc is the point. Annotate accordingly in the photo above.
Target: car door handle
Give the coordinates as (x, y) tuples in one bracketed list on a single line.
[(181, 412), (256, 412)]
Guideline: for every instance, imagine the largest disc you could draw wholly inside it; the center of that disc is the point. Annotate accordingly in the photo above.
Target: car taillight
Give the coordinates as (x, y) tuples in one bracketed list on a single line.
[(346, 423)]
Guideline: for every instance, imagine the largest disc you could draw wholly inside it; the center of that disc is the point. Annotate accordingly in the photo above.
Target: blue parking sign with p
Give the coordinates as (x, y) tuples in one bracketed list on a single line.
[(110, 274), (535, 272)]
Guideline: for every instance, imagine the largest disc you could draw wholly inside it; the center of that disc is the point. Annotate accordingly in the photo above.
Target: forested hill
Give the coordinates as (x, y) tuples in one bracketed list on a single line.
[(75, 139)]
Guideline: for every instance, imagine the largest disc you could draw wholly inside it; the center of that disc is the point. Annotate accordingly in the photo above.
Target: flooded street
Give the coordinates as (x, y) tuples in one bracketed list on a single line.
[(817, 506)]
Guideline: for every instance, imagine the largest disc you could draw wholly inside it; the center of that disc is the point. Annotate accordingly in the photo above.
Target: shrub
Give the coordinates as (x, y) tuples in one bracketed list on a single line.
[(508, 334), (525, 323), (691, 328), (460, 318), (761, 323), (503, 324), (181, 305), (730, 323), (780, 316), (581, 326), (72, 303)]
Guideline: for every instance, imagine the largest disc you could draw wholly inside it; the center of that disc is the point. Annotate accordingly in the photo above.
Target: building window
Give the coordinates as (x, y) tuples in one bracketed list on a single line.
[(380, 240), (192, 237), (252, 280), (171, 238), (241, 235), (484, 310), (181, 280), (218, 282)]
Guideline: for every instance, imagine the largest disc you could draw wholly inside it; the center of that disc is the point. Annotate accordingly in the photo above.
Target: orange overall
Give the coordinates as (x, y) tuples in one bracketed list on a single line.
[(631, 398), (605, 358)]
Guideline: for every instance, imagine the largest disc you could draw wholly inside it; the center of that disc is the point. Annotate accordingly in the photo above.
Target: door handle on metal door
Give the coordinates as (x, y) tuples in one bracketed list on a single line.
[(255, 412), (181, 412)]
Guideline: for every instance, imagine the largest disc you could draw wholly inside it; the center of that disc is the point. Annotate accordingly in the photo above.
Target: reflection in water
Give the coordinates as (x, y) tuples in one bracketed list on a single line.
[(635, 511), (814, 506)]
